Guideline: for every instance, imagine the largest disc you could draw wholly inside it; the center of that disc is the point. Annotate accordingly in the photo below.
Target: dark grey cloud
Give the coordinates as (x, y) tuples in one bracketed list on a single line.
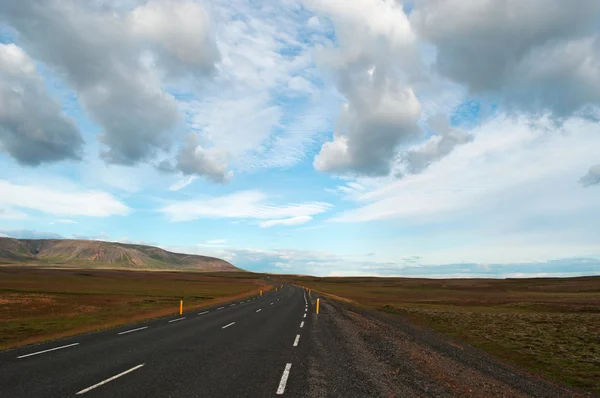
[(195, 160), (33, 129), (112, 60), (535, 55), (444, 140), (592, 177)]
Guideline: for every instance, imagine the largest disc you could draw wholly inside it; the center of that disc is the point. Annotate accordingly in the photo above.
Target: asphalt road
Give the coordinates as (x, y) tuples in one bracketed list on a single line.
[(254, 348)]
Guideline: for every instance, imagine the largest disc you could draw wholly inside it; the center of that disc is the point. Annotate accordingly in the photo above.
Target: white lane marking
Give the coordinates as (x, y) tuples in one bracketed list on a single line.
[(109, 380), (304, 315), (284, 378), (296, 341), (220, 308), (259, 310), (232, 305), (271, 303), (48, 350), (302, 324), (205, 312), (133, 330), (226, 326), (178, 319)]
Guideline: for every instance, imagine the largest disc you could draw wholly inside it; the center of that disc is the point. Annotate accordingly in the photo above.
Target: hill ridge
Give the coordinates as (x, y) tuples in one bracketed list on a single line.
[(101, 254)]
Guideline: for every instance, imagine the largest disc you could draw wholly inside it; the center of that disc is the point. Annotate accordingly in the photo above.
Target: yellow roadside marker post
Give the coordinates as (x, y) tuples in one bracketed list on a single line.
[(317, 306), (261, 293), (180, 307)]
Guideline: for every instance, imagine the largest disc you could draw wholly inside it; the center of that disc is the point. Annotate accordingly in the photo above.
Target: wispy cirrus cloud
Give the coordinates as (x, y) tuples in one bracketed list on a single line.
[(241, 205)]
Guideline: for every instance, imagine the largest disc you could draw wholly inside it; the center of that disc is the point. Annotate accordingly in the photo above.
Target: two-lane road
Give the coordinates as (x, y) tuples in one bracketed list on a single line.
[(255, 347)]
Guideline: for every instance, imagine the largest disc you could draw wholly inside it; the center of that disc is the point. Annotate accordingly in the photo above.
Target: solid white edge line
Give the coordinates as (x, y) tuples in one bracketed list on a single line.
[(284, 378), (302, 324), (226, 326), (258, 310), (205, 312), (296, 341), (178, 319), (48, 350), (133, 330), (109, 379)]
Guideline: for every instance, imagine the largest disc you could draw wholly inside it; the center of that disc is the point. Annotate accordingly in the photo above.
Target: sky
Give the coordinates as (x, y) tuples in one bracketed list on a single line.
[(435, 138)]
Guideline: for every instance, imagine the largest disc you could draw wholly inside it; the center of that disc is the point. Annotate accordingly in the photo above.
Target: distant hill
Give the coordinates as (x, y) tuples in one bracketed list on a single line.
[(97, 254)]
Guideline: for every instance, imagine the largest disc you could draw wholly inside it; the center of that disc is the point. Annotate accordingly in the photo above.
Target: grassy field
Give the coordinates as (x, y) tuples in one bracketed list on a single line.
[(550, 326), (41, 304)]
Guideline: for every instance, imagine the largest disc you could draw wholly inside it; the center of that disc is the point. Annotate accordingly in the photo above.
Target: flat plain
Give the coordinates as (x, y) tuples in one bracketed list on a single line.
[(550, 326), (38, 304)]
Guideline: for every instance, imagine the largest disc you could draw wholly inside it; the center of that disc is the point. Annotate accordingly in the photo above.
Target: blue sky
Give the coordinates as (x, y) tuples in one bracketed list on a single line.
[(315, 137)]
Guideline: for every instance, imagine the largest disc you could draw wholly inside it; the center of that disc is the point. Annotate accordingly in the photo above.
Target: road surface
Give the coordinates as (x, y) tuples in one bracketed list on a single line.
[(267, 346), (235, 349)]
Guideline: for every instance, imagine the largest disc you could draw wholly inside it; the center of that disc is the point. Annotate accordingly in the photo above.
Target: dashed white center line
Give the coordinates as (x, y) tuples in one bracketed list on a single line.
[(296, 341), (51, 349), (220, 308), (205, 312), (178, 319), (302, 324), (259, 310), (284, 378), (232, 305), (109, 379), (305, 315), (226, 326), (133, 330), (271, 303)]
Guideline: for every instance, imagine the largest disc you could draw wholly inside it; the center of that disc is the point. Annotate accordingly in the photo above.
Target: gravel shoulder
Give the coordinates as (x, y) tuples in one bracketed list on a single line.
[(356, 352)]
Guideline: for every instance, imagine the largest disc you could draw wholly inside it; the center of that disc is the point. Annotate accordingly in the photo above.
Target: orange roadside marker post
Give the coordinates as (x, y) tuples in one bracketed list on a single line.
[(180, 307), (317, 306)]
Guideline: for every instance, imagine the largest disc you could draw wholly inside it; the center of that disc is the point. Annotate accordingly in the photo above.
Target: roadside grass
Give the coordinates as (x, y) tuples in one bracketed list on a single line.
[(42, 304), (547, 325)]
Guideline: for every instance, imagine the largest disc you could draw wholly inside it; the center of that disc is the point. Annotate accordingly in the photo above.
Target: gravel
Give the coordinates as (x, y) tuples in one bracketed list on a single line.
[(356, 352)]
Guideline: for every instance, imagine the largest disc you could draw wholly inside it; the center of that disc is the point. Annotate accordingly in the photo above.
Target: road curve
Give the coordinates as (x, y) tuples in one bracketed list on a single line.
[(253, 348)]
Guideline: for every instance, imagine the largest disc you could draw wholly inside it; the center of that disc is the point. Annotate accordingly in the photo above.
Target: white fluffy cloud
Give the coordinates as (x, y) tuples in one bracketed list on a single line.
[(114, 59), (371, 67), (33, 129), (181, 32), (240, 205), (60, 202)]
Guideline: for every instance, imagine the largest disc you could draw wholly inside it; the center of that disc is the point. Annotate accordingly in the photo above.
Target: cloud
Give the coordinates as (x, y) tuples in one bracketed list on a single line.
[(66, 221), (182, 183), (446, 138), (195, 160), (480, 176), (371, 68), (33, 129), (286, 221), (102, 54), (243, 205), (60, 202), (592, 177), (181, 33), (535, 56)]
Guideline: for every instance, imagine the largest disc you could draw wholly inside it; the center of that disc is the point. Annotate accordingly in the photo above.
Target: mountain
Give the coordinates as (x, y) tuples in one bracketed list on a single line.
[(97, 254)]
